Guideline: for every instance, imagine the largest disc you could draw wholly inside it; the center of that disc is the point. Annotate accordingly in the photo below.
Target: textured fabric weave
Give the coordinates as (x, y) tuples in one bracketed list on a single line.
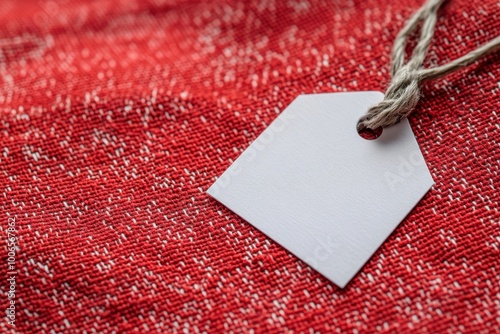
[(116, 116)]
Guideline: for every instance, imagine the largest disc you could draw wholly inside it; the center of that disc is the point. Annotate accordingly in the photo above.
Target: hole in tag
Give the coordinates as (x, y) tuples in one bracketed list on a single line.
[(370, 134), (367, 133)]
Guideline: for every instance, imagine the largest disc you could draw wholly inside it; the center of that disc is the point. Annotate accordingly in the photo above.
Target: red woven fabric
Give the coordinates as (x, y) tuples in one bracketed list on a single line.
[(116, 116)]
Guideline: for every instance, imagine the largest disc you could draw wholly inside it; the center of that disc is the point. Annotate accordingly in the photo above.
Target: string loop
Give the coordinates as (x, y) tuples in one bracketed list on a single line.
[(403, 92)]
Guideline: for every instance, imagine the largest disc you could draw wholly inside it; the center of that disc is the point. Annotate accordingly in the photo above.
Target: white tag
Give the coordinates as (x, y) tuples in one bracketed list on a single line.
[(314, 186)]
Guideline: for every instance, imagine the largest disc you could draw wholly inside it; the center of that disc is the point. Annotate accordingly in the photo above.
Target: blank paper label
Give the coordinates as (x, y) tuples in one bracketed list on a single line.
[(313, 185)]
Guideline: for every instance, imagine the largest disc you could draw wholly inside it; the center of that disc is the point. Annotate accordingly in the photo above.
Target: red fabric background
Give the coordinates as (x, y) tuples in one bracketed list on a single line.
[(116, 116)]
